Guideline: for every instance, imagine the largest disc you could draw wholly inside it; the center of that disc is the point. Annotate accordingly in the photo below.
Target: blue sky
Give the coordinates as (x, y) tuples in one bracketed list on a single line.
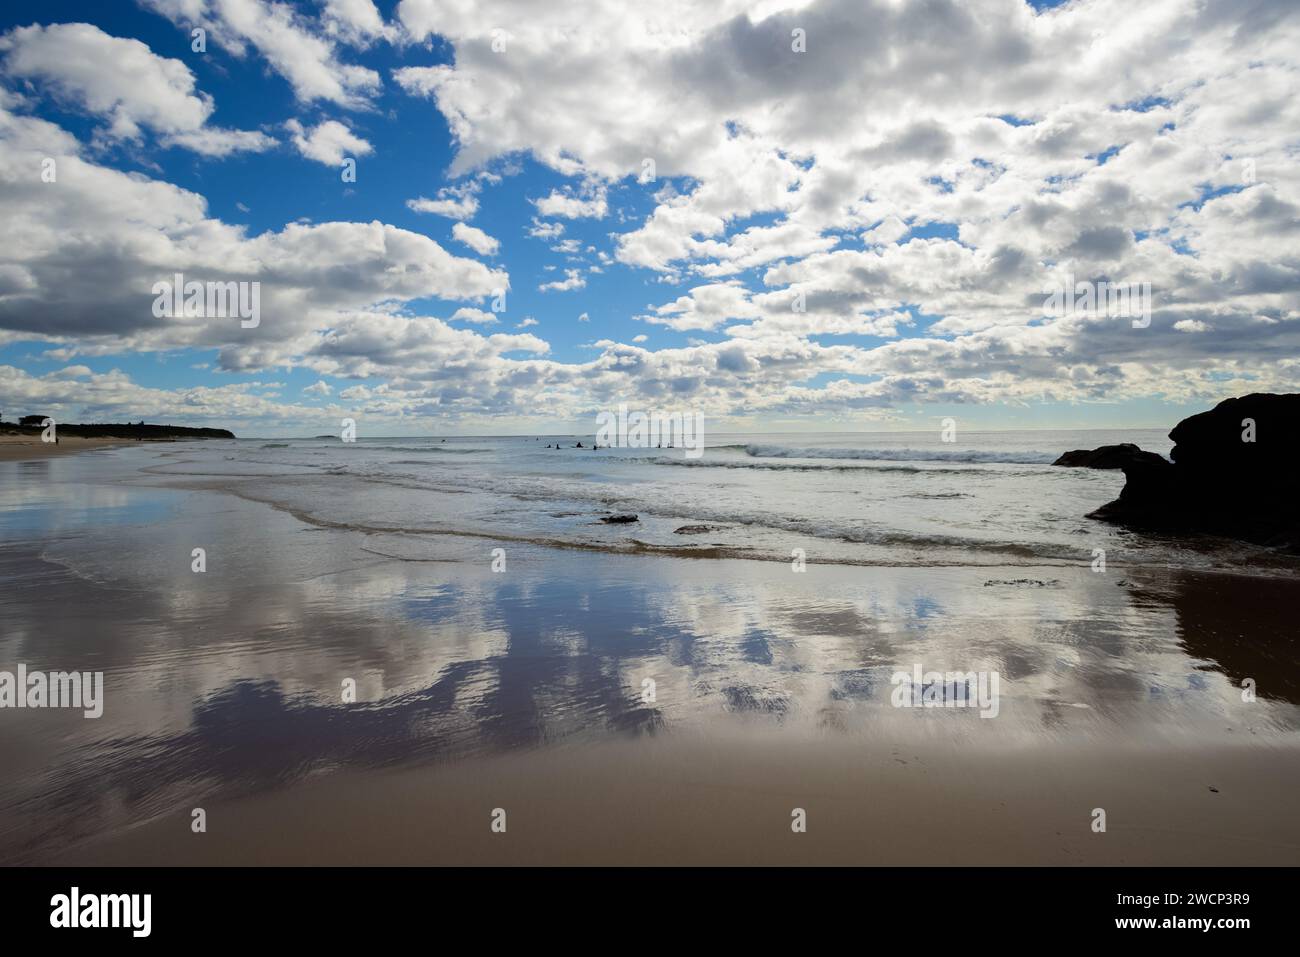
[(413, 151), (908, 204)]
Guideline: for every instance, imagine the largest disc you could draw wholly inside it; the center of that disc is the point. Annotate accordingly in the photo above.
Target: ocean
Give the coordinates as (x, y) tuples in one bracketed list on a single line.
[(990, 498)]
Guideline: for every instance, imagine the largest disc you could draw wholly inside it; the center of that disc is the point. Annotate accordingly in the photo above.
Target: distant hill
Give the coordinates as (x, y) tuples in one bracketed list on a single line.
[(125, 430)]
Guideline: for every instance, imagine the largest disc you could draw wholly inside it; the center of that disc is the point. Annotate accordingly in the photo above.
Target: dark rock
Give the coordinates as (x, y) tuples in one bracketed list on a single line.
[(1105, 457), (619, 519), (697, 529), (1233, 474)]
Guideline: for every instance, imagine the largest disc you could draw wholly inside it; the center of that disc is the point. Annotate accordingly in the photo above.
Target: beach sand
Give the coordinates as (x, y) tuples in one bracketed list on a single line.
[(729, 800), (14, 447), (524, 691)]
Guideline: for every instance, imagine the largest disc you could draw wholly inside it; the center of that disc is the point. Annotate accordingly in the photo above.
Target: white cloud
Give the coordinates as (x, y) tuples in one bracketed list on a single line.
[(357, 22), (572, 280), (572, 207), (219, 143), (541, 230), (475, 239), (890, 230), (296, 47), (706, 307), (84, 257), (454, 202), (468, 314), (978, 130), (76, 393), (329, 142), (124, 82)]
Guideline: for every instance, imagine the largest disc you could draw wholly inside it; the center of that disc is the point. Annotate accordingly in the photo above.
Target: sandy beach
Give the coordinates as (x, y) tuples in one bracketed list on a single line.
[(728, 801), (15, 447), (620, 706)]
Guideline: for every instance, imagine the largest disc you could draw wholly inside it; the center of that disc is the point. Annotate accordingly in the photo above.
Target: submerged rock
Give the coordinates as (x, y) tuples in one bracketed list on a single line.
[(697, 529), (1233, 474), (619, 519)]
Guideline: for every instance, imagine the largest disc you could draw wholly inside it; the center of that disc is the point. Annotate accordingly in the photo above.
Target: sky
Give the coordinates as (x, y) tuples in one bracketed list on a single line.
[(502, 218)]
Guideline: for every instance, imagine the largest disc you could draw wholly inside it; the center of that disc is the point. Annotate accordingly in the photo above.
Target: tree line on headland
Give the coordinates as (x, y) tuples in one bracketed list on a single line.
[(34, 425)]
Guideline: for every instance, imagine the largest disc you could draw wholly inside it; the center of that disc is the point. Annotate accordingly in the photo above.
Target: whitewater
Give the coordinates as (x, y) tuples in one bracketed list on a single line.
[(990, 498)]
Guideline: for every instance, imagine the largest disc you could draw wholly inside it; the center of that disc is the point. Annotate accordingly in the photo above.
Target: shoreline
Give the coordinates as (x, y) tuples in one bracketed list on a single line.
[(990, 555), (19, 448)]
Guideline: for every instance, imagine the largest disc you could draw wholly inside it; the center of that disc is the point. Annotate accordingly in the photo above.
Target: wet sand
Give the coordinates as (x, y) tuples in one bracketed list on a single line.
[(729, 801), (524, 690), (15, 448)]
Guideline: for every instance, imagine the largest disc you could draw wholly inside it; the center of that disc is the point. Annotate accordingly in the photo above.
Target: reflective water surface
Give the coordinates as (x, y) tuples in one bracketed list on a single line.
[(232, 681)]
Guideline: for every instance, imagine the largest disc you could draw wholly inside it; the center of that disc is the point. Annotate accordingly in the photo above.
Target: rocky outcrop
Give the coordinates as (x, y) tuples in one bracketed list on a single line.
[(1105, 457), (1233, 473)]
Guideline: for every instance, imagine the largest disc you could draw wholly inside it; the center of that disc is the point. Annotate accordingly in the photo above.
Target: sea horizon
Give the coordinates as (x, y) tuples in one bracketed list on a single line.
[(514, 435)]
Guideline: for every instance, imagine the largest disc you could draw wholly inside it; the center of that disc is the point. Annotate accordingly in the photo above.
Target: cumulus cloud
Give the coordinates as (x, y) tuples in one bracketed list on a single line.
[(299, 48), (454, 202), (706, 307), (87, 252), (220, 143), (541, 230), (573, 279), (357, 22), (871, 223), (568, 206), (122, 81), (329, 142), (475, 239), (469, 314), (77, 394)]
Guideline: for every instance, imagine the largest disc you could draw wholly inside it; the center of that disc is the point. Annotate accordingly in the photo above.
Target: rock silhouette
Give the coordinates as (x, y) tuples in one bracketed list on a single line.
[(127, 430), (1105, 457), (1233, 474)]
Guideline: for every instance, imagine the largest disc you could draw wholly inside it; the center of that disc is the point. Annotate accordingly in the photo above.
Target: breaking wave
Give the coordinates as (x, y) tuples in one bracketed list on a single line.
[(974, 456)]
